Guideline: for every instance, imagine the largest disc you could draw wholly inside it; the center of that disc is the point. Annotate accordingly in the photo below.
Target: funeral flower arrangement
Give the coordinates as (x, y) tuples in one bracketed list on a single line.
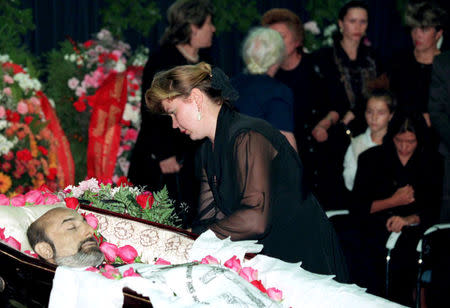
[(76, 72), (27, 151), (123, 199)]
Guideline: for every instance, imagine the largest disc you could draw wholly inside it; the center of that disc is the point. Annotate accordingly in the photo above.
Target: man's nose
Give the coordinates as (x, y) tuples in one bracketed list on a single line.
[(88, 231)]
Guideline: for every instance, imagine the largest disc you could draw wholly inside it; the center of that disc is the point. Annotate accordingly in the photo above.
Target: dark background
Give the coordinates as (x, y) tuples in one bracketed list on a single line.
[(79, 19)]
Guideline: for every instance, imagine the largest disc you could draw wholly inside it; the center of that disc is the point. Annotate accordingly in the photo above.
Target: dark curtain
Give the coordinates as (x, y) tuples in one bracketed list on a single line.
[(79, 19)]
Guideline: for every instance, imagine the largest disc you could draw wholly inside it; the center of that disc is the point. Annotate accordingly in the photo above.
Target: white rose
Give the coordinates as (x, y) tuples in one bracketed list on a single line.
[(312, 27)]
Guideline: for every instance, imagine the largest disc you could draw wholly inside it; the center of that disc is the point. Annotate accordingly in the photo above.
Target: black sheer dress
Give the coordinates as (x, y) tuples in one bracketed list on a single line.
[(252, 188)]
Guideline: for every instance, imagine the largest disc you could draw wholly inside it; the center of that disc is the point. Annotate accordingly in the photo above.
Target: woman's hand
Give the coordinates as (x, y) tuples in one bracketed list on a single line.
[(170, 165), (396, 223), (320, 133), (404, 195), (348, 117)]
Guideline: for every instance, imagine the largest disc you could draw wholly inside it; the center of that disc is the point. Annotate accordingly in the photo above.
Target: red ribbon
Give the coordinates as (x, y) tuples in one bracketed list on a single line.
[(104, 127), (66, 169)]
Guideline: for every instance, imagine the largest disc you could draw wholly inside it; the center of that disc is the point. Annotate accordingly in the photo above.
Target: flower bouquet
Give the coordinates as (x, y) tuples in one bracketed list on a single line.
[(32, 145), (123, 199), (77, 74)]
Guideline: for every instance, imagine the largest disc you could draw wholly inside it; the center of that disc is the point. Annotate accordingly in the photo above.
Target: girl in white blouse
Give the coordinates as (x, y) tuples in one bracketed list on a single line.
[(379, 111)]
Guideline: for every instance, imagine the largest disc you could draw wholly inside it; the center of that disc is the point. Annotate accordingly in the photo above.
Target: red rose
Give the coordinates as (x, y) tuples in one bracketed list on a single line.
[(144, 199), (43, 150), (52, 172), (79, 105), (72, 203), (24, 155), (259, 285), (88, 44), (28, 119), (13, 117)]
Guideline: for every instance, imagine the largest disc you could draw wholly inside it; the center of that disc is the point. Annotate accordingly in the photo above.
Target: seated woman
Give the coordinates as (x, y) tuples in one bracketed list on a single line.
[(397, 185), (263, 51), (379, 110), (251, 178)]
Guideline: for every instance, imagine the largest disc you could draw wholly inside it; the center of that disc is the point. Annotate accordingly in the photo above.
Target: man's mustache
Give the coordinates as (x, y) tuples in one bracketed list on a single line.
[(88, 240)]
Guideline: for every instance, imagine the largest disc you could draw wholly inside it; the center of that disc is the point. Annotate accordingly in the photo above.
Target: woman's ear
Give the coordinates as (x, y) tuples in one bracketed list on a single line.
[(44, 250), (196, 97), (439, 34)]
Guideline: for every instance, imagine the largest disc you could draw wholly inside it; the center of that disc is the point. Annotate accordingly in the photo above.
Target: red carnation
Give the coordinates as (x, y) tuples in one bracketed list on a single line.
[(144, 199), (24, 155), (123, 181), (79, 105), (9, 155), (43, 150), (13, 116), (14, 67)]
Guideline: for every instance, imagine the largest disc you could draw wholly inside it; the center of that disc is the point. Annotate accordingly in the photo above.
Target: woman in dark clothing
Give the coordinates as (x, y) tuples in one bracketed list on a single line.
[(263, 51), (348, 70), (163, 156), (397, 185), (251, 178), (411, 71)]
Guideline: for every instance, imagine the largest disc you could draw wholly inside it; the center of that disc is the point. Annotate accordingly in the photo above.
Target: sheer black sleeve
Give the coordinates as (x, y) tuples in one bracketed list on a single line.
[(252, 157)]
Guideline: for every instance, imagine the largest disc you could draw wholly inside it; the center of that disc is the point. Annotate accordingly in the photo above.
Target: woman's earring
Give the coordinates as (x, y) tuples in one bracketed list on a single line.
[(199, 115)]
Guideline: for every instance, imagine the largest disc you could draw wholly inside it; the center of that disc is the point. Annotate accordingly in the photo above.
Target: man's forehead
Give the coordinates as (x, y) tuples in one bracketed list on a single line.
[(58, 217)]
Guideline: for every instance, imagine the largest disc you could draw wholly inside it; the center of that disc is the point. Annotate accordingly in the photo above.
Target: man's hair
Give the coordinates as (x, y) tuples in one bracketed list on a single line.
[(181, 15), (292, 21), (262, 48), (36, 234), (425, 14)]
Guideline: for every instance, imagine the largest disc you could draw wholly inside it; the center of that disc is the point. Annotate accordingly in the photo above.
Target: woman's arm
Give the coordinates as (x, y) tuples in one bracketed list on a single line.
[(253, 155), (320, 130), (403, 196)]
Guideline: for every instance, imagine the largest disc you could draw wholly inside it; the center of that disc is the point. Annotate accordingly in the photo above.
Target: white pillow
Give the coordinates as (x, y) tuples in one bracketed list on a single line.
[(16, 220)]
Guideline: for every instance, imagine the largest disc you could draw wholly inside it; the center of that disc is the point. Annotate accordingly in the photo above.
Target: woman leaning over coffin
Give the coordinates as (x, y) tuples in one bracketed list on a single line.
[(251, 178)]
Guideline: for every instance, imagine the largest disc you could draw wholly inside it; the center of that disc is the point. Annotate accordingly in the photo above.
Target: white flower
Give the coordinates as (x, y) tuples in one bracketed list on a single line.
[(73, 83), (26, 83), (329, 30), (91, 185), (66, 57), (80, 91), (129, 114), (52, 102), (4, 58), (73, 57), (6, 145), (120, 67), (312, 27)]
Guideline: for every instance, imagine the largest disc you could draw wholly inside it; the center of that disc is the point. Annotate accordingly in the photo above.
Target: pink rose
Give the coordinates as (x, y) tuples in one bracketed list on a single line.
[(2, 112), (111, 272), (34, 197), (50, 199), (4, 200), (72, 203), (109, 250), (8, 79), (34, 255), (22, 107), (73, 83), (130, 273), (161, 261), (2, 234), (275, 294), (91, 220), (127, 253), (18, 201), (13, 243), (93, 269), (249, 274), (7, 91), (209, 260), (234, 263)]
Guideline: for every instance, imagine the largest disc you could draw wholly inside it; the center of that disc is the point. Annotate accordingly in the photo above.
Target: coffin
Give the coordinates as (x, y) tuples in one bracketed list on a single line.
[(28, 280)]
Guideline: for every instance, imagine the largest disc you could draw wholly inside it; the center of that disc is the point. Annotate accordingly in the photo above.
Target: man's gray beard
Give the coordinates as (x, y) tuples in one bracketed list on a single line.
[(93, 257)]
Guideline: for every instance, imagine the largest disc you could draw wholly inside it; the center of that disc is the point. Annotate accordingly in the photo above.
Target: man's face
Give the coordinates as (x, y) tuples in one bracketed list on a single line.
[(73, 239)]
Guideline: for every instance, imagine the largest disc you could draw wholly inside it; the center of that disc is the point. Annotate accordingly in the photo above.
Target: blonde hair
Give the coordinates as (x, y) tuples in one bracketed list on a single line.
[(179, 81), (262, 48)]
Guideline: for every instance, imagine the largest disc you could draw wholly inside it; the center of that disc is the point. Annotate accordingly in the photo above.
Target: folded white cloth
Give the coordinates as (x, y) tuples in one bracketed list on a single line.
[(200, 285)]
